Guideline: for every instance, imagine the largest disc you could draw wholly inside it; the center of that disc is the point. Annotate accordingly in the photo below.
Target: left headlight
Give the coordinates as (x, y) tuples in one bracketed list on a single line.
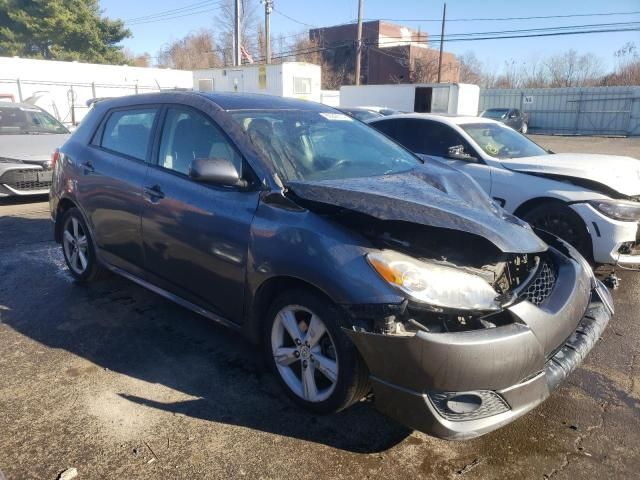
[(618, 209), (434, 284)]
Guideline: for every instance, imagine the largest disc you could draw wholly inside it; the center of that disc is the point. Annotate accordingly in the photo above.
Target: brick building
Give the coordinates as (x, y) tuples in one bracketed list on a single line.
[(391, 53)]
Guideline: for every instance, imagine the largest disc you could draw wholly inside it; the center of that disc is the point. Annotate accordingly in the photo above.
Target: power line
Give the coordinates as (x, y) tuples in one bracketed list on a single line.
[(472, 37), (293, 19), (195, 9), (499, 19), (164, 12)]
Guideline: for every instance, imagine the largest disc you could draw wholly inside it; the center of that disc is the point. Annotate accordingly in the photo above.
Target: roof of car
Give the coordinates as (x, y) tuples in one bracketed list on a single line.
[(256, 101), (228, 101), (448, 119), (18, 105)]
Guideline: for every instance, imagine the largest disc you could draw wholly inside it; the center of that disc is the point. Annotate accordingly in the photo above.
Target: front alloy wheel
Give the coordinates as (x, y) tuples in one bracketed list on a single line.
[(314, 360), (304, 353)]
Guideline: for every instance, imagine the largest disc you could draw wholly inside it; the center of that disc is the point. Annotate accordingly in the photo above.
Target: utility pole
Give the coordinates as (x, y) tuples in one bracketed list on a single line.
[(268, 8), (359, 42), (444, 19), (237, 40)]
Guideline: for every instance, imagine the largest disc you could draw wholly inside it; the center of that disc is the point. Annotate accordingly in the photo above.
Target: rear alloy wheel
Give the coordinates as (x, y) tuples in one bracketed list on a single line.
[(558, 219), (77, 247), (314, 360)]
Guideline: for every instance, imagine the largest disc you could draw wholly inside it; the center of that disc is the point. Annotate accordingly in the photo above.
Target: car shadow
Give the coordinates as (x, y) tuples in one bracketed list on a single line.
[(23, 200), (122, 327)]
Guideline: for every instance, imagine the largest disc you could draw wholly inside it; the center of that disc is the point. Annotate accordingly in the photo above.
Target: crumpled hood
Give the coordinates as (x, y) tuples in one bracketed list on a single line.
[(433, 194), (621, 174), (31, 148)]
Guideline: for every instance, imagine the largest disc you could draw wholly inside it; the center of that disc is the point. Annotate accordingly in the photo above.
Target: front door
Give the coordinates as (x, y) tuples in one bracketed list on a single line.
[(196, 235), (114, 169)]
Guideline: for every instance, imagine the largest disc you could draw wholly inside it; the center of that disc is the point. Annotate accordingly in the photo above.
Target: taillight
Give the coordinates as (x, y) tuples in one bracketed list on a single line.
[(54, 158)]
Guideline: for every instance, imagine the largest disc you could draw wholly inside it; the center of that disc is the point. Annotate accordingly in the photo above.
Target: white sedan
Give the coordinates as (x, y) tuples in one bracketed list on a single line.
[(592, 201)]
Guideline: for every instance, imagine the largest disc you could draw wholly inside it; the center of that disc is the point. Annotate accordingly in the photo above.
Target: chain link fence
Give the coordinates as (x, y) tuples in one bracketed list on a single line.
[(611, 111), (67, 101)]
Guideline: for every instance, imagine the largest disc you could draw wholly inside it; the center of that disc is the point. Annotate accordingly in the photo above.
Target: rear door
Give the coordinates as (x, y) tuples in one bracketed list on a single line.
[(196, 235), (113, 170)]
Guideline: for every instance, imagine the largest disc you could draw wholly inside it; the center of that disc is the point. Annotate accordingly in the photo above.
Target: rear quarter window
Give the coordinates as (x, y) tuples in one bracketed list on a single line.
[(128, 132)]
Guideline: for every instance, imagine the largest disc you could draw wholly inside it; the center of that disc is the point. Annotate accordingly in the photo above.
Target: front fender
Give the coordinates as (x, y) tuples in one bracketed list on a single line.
[(297, 243)]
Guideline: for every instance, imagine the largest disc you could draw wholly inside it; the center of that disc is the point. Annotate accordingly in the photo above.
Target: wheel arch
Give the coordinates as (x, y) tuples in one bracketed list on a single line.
[(63, 205), (264, 296), (532, 203)]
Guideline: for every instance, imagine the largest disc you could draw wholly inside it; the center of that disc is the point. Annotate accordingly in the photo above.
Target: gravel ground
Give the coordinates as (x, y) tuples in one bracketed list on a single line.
[(120, 383)]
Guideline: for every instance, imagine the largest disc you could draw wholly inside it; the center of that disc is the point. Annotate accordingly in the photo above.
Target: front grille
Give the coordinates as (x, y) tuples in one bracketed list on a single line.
[(542, 284), (25, 180)]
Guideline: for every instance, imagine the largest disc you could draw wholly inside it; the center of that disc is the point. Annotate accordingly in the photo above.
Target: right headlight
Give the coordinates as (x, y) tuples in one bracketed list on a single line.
[(433, 283), (623, 210)]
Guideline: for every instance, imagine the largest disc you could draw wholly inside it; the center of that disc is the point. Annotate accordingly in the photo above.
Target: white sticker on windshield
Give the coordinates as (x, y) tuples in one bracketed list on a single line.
[(337, 117)]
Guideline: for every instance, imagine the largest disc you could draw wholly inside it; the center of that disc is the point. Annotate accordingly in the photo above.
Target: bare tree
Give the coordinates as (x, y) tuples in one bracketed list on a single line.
[(333, 75), (137, 60), (424, 70), (627, 71), (225, 22), (196, 50), (470, 68), (573, 70)]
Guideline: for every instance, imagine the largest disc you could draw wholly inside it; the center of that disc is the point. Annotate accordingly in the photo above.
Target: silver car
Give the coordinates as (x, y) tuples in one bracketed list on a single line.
[(28, 138)]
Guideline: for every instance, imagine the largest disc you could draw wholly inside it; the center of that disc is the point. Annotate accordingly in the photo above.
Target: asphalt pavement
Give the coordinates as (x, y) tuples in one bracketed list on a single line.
[(119, 383)]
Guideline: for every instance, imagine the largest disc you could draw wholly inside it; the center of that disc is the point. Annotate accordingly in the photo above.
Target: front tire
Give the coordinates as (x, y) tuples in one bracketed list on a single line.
[(315, 362), (560, 220), (525, 128), (77, 247)]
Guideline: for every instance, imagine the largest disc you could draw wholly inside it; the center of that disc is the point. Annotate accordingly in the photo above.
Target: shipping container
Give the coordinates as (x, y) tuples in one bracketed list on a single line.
[(450, 98), (289, 79)]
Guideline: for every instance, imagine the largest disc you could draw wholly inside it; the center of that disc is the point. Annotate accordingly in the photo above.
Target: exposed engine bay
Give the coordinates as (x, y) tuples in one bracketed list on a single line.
[(511, 275)]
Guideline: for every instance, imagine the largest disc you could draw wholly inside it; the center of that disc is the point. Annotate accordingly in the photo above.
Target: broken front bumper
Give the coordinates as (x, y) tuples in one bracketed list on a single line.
[(465, 384)]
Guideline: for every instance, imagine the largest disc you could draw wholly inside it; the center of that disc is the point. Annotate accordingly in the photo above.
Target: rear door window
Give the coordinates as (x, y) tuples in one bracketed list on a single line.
[(128, 132)]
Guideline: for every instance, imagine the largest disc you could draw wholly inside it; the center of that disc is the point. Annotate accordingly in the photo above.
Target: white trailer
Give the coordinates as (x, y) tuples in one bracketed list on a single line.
[(289, 79), (450, 98)]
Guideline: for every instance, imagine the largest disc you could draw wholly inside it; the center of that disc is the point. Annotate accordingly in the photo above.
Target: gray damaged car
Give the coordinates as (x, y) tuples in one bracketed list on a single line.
[(28, 138), (357, 266)]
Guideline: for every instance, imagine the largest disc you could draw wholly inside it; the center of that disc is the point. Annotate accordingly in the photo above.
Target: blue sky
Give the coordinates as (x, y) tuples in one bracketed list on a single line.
[(151, 36)]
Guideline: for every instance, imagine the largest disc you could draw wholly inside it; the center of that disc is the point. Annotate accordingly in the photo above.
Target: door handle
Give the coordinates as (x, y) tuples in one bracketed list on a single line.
[(88, 166), (154, 192)]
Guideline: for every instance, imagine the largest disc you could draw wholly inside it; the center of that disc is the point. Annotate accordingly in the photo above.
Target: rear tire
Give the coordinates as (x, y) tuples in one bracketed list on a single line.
[(314, 360), (78, 248), (558, 219)]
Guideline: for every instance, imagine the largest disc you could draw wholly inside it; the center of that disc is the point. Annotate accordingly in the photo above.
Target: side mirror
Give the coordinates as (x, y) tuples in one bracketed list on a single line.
[(219, 171), (457, 153)]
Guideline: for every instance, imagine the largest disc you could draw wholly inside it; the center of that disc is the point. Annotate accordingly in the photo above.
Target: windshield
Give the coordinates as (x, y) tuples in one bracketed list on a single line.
[(495, 114), (501, 141), (26, 120), (307, 145)]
